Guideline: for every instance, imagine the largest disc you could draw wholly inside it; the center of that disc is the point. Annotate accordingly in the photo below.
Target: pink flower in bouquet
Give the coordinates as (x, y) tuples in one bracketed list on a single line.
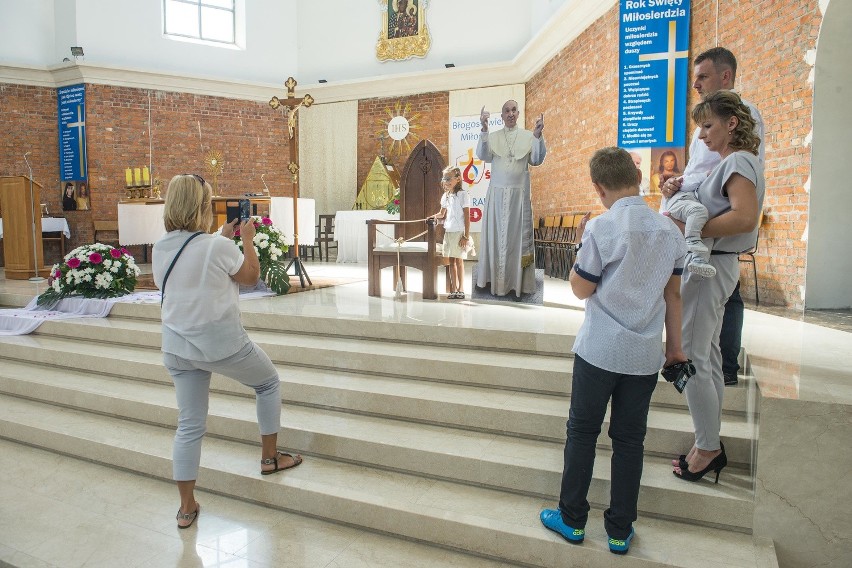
[(124, 251), (73, 262), (115, 253), (236, 232), (96, 258), (396, 201), (57, 273), (267, 221)]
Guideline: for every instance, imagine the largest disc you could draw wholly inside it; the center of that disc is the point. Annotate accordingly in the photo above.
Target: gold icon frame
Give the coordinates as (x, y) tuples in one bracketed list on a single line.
[(391, 48)]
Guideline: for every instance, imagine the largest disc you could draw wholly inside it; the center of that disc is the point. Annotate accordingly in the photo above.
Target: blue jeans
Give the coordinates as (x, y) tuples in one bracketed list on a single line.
[(592, 389), (730, 339)]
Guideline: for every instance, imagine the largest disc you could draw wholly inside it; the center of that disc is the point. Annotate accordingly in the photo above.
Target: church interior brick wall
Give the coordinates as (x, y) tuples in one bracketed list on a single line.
[(578, 91), (251, 137), (428, 115)]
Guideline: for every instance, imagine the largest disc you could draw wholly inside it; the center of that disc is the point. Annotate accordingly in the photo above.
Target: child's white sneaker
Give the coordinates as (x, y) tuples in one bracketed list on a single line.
[(699, 266), (697, 247)]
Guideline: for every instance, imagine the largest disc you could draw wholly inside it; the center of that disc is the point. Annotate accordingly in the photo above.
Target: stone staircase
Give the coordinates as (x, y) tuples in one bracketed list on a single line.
[(404, 432)]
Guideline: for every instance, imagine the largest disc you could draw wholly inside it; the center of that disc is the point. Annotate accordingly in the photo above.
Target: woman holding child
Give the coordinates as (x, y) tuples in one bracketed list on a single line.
[(733, 194)]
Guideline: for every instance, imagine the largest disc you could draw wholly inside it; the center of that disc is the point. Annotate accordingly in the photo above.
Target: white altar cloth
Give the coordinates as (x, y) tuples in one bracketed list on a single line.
[(140, 223), (281, 213), (49, 225), (350, 232), (23, 321)]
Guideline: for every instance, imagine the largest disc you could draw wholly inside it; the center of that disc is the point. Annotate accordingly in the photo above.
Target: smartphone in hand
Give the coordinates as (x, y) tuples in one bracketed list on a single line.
[(245, 210)]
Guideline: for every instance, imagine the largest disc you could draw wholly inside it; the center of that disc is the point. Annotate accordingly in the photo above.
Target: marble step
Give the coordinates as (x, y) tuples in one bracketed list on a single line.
[(114, 517), (511, 371), (279, 314), (503, 462), (518, 414), (495, 524)]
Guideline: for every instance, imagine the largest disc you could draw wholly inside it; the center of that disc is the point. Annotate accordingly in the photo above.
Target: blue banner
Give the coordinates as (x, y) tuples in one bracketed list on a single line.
[(654, 78), (71, 113)]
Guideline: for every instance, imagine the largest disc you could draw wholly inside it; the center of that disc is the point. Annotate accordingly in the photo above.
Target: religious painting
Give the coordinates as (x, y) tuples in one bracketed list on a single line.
[(75, 196), (404, 32), (666, 162)]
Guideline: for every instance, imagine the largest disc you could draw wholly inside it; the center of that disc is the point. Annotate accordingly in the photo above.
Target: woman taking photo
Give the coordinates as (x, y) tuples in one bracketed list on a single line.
[(198, 275), (733, 194)]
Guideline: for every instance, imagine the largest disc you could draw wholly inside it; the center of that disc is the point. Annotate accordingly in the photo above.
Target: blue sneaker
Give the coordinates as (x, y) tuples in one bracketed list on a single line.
[(617, 546), (552, 519)]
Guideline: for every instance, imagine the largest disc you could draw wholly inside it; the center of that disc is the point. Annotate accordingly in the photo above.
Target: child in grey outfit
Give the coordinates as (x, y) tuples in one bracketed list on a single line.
[(685, 207)]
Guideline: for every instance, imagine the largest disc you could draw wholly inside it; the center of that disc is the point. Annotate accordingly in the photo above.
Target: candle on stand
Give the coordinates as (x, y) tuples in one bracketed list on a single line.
[(137, 176), (128, 176), (146, 179)]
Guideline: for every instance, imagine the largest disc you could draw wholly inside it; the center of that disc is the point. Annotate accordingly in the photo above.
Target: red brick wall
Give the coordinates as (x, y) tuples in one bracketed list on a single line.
[(578, 92), (251, 137), (428, 114)]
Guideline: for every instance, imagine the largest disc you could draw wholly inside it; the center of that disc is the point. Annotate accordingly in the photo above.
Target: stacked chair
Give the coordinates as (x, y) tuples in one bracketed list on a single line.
[(556, 244)]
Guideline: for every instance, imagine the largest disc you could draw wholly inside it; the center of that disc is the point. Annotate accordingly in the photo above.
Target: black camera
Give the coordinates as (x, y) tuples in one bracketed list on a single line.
[(679, 373)]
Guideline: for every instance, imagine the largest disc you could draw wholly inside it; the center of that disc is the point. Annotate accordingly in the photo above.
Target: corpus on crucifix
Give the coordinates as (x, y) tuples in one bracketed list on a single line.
[(292, 104)]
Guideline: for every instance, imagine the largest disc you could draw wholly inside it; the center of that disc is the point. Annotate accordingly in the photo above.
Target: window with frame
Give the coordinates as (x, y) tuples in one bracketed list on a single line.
[(206, 20)]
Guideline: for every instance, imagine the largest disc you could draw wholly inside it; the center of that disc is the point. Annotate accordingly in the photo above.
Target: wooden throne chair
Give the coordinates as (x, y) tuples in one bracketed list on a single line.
[(420, 196)]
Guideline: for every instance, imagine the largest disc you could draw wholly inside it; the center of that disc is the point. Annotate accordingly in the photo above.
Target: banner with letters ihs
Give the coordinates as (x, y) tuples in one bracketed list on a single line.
[(654, 79), (72, 132)]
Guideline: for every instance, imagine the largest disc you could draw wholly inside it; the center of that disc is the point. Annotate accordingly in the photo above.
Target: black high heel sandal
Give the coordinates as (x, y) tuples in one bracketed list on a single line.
[(717, 464)]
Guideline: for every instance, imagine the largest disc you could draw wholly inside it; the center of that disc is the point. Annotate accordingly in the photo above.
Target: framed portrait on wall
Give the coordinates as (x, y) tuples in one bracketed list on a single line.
[(404, 33), (75, 196)]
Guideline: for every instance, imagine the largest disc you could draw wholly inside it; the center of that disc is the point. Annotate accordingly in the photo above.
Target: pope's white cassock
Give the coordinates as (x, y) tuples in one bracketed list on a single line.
[(506, 250)]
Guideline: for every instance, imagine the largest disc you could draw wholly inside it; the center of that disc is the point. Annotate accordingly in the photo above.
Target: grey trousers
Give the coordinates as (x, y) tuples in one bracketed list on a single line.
[(250, 366), (685, 207), (703, 308)]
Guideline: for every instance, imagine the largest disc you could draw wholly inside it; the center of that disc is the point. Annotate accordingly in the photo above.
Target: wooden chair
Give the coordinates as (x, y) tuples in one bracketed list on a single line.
[(420, 197), (422, 256), (101, 227), (55, 237), (325, 235)]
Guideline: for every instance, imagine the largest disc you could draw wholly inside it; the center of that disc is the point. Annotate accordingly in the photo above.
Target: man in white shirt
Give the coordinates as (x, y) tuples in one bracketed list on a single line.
[(714, 70)]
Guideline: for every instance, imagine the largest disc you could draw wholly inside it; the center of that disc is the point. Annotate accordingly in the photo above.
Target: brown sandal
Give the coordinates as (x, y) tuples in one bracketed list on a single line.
[(188, 516), (297, 459)]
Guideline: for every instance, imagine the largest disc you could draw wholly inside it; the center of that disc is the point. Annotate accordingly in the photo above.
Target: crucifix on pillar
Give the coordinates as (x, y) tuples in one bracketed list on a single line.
[(292, 106)]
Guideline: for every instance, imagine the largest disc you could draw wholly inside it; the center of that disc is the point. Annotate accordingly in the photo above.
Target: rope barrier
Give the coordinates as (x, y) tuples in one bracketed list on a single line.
[(399, 241)]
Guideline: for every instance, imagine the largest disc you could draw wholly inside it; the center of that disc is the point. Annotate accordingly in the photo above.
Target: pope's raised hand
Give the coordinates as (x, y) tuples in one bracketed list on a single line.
[(539, 126), (484, 115)]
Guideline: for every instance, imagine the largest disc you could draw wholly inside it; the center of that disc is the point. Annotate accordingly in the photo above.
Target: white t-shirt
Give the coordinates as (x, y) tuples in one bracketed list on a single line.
[(200, 312), (455, 203)]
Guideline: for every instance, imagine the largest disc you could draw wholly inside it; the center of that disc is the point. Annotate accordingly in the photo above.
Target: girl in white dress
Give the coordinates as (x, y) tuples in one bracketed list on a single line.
[(455, 211)]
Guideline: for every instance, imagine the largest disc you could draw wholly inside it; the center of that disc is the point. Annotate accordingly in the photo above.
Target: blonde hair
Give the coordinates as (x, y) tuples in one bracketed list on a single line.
[(455, 170), (724, 104), (188, 204)]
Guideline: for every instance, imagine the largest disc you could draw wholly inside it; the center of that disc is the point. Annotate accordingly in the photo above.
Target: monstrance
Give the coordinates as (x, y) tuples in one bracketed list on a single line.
[(213, 162)]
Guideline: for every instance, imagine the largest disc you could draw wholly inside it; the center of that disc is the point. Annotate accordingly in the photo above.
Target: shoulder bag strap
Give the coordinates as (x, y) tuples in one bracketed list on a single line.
[(172, 265)]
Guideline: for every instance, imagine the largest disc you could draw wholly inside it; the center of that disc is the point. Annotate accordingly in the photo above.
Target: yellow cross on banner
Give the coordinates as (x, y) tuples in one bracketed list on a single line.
[(671, 55), (79, 126)]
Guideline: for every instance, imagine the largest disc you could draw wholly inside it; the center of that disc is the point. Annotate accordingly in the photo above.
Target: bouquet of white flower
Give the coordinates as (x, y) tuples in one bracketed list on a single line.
[(270, 247), (92, 271)]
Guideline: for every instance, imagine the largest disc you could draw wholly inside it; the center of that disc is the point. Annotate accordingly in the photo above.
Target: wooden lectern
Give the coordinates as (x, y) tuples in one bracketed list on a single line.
[(18, 215)]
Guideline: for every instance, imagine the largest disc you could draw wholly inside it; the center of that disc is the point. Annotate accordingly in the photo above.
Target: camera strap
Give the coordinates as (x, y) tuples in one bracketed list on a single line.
[(172, 265)]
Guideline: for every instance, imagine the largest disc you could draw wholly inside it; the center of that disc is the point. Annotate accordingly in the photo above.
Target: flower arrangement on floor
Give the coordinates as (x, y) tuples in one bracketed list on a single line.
[(270, 247), (92, 271), (392, 206)]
